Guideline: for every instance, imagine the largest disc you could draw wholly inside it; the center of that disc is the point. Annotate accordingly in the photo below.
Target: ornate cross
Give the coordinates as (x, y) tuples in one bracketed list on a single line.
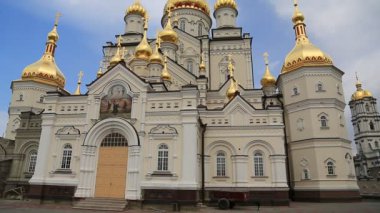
[(80, 76), (266, 58), (295, 2), (119, 41), (57, 16)]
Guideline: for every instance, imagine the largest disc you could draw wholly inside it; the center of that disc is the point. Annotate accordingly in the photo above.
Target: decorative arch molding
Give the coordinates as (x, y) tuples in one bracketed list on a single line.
[(260, 145), (27, 147), (68, 130), (116, 82), (107, 126), (221, 143)]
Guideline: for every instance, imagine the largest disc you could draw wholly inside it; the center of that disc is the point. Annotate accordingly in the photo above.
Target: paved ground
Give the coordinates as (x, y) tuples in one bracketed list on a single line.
[(367, 206)]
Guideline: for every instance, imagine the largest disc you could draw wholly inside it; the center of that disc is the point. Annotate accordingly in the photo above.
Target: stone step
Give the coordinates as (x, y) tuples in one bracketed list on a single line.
[(104, 204)]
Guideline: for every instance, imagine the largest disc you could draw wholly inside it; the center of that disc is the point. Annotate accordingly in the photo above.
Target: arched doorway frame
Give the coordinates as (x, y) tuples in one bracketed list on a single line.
[(89, 157)]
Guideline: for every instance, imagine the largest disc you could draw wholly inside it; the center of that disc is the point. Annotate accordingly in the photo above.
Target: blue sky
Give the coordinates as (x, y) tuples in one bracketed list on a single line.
[(348, 30)]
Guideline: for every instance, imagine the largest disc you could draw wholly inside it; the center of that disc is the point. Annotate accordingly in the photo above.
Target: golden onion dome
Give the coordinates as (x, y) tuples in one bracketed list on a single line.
[(165, 75), (156, 58), (144, 50), (137, 9), (360, 94), (118, 55), (225, 3), (201, 5), (202, 66), (168, 34), (268, 79), (304, 52), (46, 70)]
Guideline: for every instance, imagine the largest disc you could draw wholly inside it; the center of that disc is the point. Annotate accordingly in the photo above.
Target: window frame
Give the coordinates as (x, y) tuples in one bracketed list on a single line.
[(67, 155), (330, 168), (258, 164), (221, 166), (32, 161), (163, 158)]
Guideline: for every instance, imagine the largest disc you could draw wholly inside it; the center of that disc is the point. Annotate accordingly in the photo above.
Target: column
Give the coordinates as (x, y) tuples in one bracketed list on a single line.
[(133, 191), (240, 163), (278, 164), (87, 173), (43, 149)]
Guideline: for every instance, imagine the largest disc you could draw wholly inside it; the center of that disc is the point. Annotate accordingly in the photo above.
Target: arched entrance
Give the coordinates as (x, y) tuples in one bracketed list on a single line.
[(112, 167), (92, 156)]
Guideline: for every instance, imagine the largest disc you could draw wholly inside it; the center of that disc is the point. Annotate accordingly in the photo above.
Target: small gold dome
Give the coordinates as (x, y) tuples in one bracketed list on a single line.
[(360, 94), (201, 5), (53, 35), (225, 3), (165, 75), (137, 9), (156, 58), (168, 34), (118, 55), (268, 79), (232, 89), (143, 50)]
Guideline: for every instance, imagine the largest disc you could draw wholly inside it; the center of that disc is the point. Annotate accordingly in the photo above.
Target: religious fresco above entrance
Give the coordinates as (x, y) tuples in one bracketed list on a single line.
[(117, 103)]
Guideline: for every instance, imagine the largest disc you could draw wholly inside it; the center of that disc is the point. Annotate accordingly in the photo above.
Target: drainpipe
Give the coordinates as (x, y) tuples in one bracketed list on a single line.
[(204, 126)]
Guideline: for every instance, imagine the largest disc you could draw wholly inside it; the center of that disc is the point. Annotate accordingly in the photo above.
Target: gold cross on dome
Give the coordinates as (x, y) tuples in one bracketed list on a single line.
[(145, 19), (266, 58), (119, 41), (57, 16), (80, 76), (295, 2)]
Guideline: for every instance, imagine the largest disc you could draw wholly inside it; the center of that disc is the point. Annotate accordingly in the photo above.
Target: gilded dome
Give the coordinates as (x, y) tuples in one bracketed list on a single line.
[(46, 70), (201, 5), (137, 9), (143, 50), (156, 58), (165, 75), (168, 34), (304, 52), (268, 79), (225, 3), (232, 89), (360, 93)]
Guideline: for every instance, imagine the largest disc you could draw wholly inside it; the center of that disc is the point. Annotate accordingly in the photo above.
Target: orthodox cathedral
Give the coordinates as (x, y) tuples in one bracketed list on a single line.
[(177, 118)]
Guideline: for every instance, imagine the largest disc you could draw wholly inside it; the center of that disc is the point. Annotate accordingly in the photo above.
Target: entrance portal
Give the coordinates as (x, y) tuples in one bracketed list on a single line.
[(112, 167)]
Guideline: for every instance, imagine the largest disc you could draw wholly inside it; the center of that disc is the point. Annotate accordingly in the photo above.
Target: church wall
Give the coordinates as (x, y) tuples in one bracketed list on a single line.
[(240, 51)]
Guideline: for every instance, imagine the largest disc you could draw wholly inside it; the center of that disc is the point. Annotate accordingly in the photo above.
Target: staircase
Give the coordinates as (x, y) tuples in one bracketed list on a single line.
[(102, 204)]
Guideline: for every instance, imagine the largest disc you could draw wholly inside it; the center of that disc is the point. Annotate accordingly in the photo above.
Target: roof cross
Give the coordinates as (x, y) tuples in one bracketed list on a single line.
[(57, 16)]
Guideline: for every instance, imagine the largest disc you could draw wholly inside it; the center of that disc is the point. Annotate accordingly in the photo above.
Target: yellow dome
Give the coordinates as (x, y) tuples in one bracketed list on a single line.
[(168, 34), (231, 92), (268, 79), (165, 75), (304, 52), (156, 58), (46, 70), (225, 3), (144, 50), (360, 94), (118, 55), (137, 9), (201, 5)]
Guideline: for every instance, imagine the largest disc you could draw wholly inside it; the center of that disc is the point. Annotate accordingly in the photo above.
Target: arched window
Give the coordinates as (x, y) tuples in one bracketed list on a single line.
[(41, 99), (258, 162), (295, 91), (367, 108), (21, 97), (319, 87), (32, 161), (371, 126), (200, 29), (163, 158), (66, 156), (221, 164), (330, 168), (376, 144), (114, 140), (182, 25), (306, 174), (323, 121), (190, 66)]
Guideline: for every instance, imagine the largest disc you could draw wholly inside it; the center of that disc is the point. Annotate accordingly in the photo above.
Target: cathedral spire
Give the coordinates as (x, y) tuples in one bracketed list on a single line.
[(46, 70), (117, 57), (268, 79), (304, 52), (165, 75), (80, 76)]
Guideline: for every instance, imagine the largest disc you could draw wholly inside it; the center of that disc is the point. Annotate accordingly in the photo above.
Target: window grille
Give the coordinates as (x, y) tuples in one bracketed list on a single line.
[(221, 164), (114, 140), (259, 164), (163, 158)]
